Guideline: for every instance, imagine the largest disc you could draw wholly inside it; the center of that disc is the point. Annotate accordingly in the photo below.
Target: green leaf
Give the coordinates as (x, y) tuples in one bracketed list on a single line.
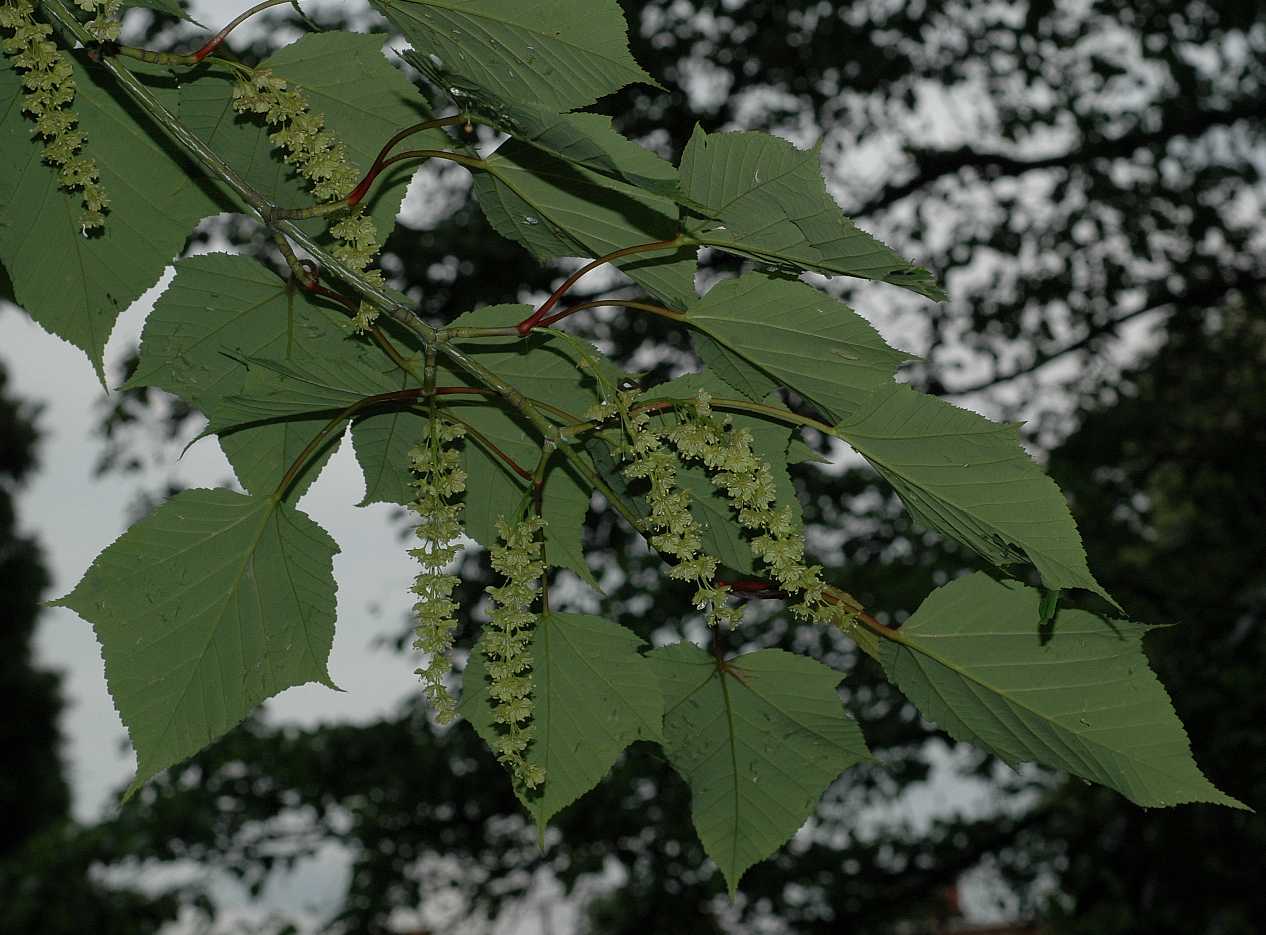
[(565, 503), (968, 478), (221, 311), (364, 99), (757, 738), (744, 378), (72, 285), (205, 608), (170, 7), (800, 453), (555, 210), (593, 695), (972, 659), (559, 54), (585, 140), (544, 367), (382, 442), (589, 141), (309, 386), (493, 490), (767, 200), (802, 337)]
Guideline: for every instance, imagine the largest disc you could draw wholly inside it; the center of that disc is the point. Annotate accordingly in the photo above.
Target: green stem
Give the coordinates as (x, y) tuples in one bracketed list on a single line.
[(671, 314), (490, 446), (385, 345), (459, 334), (538, 504), (511, 395), (298, 464), (548, 430), (301, 273), (867, 632), (215, 41)]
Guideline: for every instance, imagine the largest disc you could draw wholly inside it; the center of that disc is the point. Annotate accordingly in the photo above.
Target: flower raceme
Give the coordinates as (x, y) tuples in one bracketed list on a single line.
[(321, 157), (48, 80), (440, 481), (675, 531), (747, 481), (508, 644)]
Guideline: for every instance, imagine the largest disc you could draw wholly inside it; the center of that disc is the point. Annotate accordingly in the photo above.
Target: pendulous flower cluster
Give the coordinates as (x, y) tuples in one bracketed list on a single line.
[(675, 533), (440, 482), (106, 20), (49, 82), (320, 157), (747, 480), (507, 644)]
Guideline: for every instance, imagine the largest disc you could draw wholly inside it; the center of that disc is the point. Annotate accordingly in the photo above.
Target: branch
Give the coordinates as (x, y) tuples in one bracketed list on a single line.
[(193, 58), (1206, 294), (933, 165), (217, 168)]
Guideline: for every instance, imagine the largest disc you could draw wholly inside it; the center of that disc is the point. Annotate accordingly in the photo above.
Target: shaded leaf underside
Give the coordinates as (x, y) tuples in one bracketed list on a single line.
[(594, 694), (204, 609), (73, 285), (971, 658), (970, 479), (802, 337), (772, 204), (757, 739), (559, 54)]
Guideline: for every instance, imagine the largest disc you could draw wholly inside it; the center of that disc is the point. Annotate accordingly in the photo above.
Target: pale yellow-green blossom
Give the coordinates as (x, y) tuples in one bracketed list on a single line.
[(440, 481), (507, 644), (49, 84), (320, 157), (747, 480), (675, 531), (106, 21)]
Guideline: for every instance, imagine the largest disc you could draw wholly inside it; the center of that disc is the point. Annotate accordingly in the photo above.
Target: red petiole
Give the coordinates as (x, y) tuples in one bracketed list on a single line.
[(537, 318)]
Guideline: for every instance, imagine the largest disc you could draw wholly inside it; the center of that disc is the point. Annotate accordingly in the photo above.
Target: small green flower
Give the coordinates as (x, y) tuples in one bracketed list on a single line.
[(747, 480), (49, 83), (105, 27), (440, 481), (675, 532), (508, 644), (318, 155)]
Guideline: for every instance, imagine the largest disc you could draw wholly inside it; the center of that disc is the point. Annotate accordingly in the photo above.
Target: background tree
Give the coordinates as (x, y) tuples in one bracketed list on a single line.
[(1079, 178), (44, 856)]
